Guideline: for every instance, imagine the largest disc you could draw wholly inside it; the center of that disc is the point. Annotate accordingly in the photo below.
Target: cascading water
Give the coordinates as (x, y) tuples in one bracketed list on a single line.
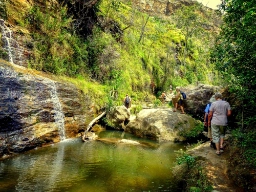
[(12, 48), (58, 113), (6, 37)]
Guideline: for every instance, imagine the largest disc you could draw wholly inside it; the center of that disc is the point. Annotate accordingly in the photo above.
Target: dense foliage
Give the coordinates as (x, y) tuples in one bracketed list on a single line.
[(116, 44), (56, 50), (110, 48), (235, 57)]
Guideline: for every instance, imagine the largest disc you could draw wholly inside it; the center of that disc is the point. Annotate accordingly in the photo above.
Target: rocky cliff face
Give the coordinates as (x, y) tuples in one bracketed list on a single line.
[(165, 7), (36, 110), (15, 44)]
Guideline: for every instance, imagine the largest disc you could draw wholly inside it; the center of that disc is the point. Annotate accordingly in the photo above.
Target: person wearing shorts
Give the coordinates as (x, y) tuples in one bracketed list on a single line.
[(178, 101), (217, 119)]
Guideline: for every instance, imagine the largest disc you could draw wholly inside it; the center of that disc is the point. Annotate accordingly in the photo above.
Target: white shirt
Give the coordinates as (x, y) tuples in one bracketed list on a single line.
[(220, 109)]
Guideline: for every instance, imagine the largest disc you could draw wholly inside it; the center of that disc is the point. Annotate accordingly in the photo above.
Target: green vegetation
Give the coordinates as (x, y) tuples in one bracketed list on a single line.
[(157, 103), (235, 57), (3, 9), (125, 50), (56, 50), (135, 110), (193, 177), (192, 134), (186, 159)]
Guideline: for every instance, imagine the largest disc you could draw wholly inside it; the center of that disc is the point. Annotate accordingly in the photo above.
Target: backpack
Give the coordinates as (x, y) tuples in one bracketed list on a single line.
[(127, 100), (184, 96)]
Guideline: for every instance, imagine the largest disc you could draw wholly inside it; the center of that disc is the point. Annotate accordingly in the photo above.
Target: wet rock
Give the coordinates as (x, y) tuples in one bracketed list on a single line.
[(36, 110), (90, 136), (118, 117)]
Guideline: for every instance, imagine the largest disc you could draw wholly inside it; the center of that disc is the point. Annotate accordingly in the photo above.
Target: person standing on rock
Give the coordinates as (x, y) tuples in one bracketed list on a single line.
[(178, 101), (127, 101), (218, 120)]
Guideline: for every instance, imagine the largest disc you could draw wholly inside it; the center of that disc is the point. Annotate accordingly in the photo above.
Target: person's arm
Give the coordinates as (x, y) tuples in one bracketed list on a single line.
[(229, 110), (206, 112), (229, 113), (205, 118), (177, 96), (210, 117)]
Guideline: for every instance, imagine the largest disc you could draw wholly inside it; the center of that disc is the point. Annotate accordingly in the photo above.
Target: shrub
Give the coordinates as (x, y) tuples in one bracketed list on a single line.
[(193, 178)]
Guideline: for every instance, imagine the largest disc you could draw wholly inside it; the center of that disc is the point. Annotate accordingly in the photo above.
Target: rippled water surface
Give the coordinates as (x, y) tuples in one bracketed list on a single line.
[(96, 166)]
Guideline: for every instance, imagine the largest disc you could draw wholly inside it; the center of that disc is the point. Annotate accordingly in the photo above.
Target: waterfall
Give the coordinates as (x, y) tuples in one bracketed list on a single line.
[(7, 36), (58, 113), (14, 51), (11, 46)]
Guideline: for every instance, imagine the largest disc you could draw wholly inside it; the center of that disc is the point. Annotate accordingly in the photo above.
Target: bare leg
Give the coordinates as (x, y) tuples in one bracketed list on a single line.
[(221, 142), (175, 106), (182, 109), (217, 147)]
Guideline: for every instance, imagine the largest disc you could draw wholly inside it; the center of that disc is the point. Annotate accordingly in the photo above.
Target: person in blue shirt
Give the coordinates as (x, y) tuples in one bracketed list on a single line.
[(206, 113)]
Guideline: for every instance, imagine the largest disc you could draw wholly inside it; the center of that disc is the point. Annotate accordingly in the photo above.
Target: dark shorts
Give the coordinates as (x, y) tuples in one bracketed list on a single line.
[(180, 102), (127, 105)]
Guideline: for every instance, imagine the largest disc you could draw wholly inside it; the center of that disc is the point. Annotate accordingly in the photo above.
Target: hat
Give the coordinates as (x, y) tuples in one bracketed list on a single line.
[(212, 99), (218, 96)]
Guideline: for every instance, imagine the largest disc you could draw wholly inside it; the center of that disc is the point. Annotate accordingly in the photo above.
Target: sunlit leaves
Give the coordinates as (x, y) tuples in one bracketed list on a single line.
[(56, 50)]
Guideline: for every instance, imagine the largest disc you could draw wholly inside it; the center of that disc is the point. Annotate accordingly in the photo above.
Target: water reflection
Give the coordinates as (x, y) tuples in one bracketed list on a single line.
[(93, 166)]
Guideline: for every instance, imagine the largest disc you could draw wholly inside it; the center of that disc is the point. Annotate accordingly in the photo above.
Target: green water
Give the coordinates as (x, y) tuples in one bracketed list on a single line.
[(95, 166)]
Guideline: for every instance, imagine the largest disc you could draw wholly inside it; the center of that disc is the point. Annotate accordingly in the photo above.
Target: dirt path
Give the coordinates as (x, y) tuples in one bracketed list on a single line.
[(216, 167)]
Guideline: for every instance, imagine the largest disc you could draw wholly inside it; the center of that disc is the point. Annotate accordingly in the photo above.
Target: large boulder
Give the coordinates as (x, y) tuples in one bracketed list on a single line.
[(197, 98), (118, 117), (161, 125)]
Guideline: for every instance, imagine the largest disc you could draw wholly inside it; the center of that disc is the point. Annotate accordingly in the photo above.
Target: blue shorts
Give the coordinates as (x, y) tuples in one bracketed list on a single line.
[(180, 102)]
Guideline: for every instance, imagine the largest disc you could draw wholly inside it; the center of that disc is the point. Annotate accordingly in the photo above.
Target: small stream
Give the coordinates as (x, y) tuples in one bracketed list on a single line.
[(95, 166)]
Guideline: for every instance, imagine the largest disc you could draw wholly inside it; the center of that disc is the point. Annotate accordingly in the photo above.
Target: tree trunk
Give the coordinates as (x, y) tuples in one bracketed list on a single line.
[(92, 123)]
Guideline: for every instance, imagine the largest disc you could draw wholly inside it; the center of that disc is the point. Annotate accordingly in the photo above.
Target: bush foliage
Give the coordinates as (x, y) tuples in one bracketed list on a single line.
[(138, 46), (235, 56)]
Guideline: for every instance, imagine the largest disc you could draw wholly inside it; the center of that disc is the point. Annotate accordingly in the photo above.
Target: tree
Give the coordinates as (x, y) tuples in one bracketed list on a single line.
[(235, 53), (83, 13), (235, 58), (3, 10), (189, 21)]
